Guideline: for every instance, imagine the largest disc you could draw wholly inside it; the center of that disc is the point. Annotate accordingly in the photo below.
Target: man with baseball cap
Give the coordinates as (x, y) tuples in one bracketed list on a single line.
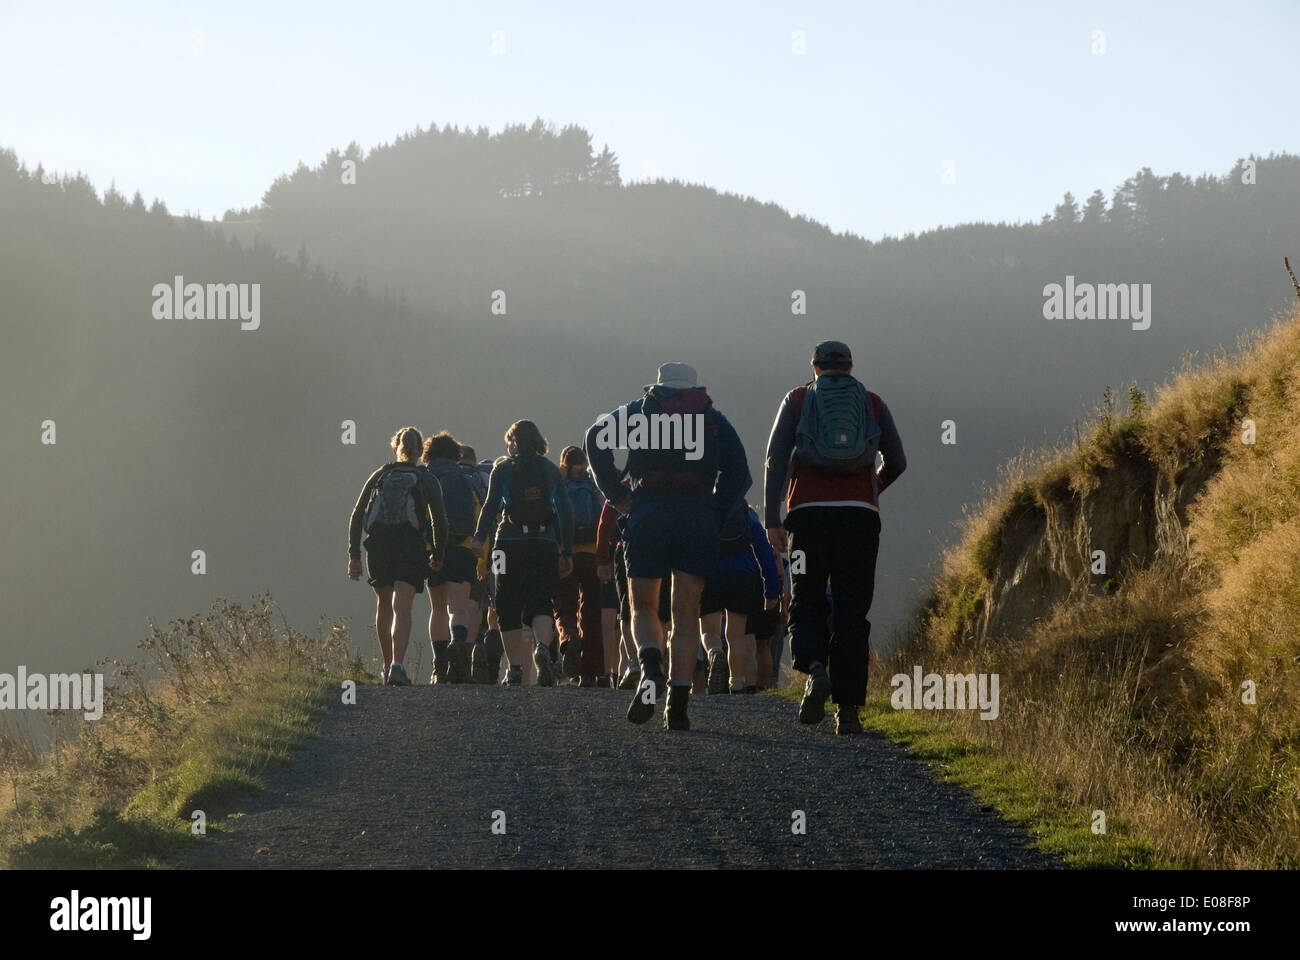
[(686, 468), (822, 460)]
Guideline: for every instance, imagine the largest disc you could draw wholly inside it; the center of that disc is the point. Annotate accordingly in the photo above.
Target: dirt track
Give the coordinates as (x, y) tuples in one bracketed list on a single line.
[(410, 777)]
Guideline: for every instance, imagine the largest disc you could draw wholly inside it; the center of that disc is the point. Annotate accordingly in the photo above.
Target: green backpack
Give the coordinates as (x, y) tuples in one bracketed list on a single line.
[(839, 429)]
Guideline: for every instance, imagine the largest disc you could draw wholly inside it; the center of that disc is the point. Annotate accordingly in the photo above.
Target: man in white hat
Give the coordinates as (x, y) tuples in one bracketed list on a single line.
[(687, 468)]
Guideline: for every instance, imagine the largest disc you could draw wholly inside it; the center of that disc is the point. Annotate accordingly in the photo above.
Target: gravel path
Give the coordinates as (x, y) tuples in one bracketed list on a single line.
[(410, 777)]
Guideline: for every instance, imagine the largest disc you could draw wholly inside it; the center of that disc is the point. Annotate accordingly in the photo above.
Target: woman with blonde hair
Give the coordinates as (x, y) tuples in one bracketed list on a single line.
[(400, 509)]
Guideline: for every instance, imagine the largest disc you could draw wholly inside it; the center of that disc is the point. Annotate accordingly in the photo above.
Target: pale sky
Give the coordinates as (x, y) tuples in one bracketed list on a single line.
[(204, 104)]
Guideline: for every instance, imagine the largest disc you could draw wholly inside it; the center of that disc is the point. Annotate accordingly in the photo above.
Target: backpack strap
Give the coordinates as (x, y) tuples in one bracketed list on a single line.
[(877, 406)]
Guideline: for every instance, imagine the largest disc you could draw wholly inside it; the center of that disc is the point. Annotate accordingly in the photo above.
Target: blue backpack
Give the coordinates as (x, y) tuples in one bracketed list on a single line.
[(458, 496), (586, 502)]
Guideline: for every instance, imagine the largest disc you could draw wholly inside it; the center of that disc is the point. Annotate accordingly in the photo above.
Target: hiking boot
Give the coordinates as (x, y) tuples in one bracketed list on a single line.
[(514, 676), (630, 680), (545, 672), (675, 712), (650, 690), (846, 720), (812, 708), (458, 666), (478, 664), (718, 671), (397, 676), (604, 681), (441, 660), (571, 652)]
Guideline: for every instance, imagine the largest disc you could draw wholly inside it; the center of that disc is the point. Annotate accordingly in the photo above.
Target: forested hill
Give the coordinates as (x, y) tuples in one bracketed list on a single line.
[(603, 279)]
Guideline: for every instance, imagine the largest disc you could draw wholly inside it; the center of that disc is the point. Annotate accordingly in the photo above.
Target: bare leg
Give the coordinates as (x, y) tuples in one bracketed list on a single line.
[(647, 631), (384, 623), (737, 664), (684, 640), (403, 597)]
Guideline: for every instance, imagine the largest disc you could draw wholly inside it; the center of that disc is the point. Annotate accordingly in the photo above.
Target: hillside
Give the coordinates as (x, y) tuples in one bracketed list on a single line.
[(1162, 690), (611, 278)]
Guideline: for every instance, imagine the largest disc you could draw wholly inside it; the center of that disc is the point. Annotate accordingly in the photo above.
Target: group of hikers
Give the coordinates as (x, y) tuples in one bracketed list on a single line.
[(657, 576)]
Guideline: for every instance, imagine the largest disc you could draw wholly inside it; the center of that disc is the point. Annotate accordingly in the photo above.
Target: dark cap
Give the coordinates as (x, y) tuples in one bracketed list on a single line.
[(831, 351)]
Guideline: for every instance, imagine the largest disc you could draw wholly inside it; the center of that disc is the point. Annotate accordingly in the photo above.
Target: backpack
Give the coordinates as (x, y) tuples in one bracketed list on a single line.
[(458, 495), (669, 469), (586, 502), (395, 501), (733, 536), (838, 430), (528, 494)]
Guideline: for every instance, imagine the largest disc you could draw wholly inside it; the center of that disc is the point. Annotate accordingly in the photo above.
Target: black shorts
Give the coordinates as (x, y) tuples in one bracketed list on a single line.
[(625, 593), (740, 591), (391, 558), (458, 566), (763, 623), (527, 587)]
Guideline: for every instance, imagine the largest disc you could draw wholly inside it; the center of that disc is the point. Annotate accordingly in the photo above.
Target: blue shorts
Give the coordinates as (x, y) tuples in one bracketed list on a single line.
[(672, 534)]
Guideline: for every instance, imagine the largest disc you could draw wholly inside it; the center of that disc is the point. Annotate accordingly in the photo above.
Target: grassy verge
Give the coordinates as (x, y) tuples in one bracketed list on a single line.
[(1169, 698), (1011, 786), (227, 697)]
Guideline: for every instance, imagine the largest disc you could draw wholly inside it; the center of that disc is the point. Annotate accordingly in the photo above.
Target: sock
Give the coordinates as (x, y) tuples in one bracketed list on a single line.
[(459, 633)]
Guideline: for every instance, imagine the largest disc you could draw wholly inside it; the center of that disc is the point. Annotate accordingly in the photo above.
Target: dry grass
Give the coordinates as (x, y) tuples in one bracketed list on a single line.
[(222, 698), (1132, 703)]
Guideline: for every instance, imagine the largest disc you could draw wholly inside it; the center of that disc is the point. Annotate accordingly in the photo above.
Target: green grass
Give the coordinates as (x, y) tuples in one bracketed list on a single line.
[(1011, 787), (233, 705)]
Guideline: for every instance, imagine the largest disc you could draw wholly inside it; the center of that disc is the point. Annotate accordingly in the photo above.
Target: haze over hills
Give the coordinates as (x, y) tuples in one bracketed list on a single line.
[(176, 435)]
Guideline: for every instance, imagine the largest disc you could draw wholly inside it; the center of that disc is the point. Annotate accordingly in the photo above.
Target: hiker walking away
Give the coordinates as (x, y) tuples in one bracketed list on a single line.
[(613, 641), (401, 512), (529, 509), (450, 616), (746, 585), (686, 468), (485, 662), (821, 457), (578, 596), (611, 569)]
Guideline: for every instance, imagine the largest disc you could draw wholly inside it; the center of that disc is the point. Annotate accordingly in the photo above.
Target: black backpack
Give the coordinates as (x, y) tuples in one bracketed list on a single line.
[(528, 494), (457, 496)]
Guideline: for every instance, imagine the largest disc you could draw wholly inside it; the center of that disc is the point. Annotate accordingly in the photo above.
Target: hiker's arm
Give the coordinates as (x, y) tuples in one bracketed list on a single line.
[(891, 449), (772, 582), (563, 509), (601, 461), (733, 472), (776, 464), (358, 518), (605, 533), (437, 517), (487, 518)]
